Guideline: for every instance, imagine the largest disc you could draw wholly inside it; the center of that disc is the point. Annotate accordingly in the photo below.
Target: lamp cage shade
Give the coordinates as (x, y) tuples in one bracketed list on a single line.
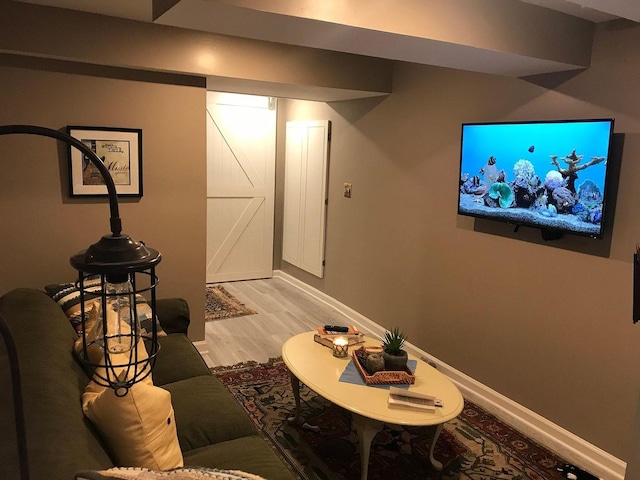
[(116, 348)]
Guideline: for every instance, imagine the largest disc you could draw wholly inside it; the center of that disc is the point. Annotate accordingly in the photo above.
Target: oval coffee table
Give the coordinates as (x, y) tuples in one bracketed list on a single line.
[(315, 366)]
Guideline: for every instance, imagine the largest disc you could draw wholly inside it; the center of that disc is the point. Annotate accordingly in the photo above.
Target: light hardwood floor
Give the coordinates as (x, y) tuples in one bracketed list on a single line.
[(283, 311)]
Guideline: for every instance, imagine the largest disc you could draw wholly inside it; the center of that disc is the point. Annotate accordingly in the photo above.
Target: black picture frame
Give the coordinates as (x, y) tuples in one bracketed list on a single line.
[(121, 151)]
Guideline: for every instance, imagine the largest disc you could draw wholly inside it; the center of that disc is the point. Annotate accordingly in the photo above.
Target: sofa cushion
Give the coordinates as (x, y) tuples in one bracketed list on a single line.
[(177, 359), (206, 413), (139, 427), (52, 380), (251, 454), (173, 314)]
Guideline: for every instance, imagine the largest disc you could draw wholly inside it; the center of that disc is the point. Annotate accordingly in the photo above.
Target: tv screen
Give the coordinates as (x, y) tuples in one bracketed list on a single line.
[(546, 174)]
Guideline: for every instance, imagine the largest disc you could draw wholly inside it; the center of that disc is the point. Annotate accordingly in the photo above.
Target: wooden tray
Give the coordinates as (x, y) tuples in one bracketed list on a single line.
[(386, 377)]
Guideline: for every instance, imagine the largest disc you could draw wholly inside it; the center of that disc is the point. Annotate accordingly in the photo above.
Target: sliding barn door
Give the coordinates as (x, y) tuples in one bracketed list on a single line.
[(305, 194), (240, 186)]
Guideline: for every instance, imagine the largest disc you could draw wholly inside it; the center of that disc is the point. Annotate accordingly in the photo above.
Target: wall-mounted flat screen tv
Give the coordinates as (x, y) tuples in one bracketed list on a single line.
[(546, 174)]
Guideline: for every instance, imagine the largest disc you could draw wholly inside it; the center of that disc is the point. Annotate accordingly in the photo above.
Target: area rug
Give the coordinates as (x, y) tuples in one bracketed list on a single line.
[(474, 446), (221, 304)]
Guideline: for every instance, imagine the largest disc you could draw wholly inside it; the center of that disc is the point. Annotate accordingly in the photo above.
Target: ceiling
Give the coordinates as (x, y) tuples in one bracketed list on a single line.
[(316, 24), (592, 10)]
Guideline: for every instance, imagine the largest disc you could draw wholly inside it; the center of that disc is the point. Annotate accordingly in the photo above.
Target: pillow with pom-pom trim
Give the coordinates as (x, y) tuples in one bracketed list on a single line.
[(188, 473)]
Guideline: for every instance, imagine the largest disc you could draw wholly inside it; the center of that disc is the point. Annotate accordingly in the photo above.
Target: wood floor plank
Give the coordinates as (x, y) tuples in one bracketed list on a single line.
[(283, 311)]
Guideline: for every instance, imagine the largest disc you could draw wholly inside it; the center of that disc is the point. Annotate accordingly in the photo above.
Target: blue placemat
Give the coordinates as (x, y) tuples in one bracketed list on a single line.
[(352, 375)]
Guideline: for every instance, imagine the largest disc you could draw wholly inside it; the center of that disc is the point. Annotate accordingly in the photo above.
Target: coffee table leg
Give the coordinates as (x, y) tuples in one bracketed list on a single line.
[(435, 463), (366, 428), (295, 386)]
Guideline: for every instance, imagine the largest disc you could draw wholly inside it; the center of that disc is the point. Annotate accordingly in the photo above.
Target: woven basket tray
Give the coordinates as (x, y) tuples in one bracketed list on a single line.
[(386, 377)]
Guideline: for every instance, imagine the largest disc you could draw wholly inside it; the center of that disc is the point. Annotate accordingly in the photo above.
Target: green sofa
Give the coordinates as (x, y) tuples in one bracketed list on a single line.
[(213, 431)]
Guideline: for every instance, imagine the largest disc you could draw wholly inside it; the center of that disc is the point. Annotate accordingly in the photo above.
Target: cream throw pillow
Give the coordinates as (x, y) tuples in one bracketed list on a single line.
[(139, 428)]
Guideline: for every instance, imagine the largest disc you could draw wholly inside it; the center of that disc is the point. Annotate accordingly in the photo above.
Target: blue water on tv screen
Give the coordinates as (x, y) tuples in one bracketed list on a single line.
[(550, 175)]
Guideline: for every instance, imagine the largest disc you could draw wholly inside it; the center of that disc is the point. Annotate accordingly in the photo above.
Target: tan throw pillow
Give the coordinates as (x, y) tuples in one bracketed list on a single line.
[(139, 428), (94, 352)]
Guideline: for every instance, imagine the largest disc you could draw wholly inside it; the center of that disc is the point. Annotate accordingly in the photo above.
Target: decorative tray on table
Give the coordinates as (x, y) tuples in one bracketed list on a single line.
[(385, 377)]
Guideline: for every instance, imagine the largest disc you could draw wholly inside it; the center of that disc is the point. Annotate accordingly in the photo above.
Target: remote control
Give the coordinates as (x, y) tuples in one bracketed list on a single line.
[(336, 328)]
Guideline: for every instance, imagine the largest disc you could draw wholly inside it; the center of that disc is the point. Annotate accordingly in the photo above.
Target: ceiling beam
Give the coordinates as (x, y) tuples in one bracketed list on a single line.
[(493, 36), (629, 9), (86, 38)]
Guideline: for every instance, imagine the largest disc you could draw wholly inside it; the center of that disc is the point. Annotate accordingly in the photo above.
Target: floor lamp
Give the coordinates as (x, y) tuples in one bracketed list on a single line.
[(116, 260)]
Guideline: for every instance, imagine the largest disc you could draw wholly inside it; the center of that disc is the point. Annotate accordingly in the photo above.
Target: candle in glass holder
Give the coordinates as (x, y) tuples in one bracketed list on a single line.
[(340, 347)]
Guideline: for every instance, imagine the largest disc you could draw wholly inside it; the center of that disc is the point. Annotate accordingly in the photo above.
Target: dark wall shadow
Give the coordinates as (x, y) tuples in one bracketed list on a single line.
[(551, 81), (101, 71), (576, 243), (354, 110)]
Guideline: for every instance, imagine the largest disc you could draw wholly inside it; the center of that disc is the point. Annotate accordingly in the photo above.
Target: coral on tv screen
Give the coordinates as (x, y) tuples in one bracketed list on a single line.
[(546, 174)]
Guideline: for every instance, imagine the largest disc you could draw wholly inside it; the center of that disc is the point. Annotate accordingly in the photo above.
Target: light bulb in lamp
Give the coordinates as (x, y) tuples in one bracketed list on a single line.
[(122, 327)]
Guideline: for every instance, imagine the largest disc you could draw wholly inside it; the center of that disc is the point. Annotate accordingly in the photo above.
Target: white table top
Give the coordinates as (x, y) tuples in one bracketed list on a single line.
[(315, 366)]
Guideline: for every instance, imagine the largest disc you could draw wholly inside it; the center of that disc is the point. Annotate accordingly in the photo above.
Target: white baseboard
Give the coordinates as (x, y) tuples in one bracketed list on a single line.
[(571, 447), (203, 349)]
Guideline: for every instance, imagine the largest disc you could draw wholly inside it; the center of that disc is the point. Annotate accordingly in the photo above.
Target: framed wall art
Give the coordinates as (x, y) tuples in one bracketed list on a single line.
[(121, 151)]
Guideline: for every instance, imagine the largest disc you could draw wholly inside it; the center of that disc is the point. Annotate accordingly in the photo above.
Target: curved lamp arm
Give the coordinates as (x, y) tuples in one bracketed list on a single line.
[(116, 222)]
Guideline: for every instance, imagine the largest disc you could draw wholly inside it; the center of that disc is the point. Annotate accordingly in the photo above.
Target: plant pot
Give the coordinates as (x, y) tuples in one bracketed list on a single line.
[(395, 362)]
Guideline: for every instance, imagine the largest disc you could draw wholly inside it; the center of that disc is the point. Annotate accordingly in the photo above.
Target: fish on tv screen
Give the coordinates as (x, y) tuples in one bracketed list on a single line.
[(546, 174)]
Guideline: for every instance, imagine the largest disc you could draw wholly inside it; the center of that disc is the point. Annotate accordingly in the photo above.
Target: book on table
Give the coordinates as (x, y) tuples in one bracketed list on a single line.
[(353, 336), (351, 331), (401, 398)]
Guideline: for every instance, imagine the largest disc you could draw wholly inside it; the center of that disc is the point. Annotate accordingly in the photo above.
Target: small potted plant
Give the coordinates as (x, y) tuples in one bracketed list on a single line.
[(395, 358)]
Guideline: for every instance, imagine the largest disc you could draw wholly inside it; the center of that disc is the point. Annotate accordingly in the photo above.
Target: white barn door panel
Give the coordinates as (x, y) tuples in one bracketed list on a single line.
[(240, 186), (305, 194)]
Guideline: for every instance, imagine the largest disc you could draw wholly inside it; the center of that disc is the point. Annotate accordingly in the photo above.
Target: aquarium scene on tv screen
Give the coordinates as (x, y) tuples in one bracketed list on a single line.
[(550, 175)]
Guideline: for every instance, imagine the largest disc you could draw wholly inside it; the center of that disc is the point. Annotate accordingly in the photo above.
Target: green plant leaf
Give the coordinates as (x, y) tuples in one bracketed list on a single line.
[(393, 341)]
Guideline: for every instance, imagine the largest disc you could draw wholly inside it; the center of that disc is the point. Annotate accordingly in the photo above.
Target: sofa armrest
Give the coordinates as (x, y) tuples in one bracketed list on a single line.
[(173, 314)]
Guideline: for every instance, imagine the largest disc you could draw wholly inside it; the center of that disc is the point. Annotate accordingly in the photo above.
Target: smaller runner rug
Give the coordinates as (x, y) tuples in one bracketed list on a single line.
[(474, 446), (221, 304)]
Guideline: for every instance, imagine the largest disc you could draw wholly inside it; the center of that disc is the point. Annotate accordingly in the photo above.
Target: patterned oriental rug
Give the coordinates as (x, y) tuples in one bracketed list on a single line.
[(221, 304), (474, 446)]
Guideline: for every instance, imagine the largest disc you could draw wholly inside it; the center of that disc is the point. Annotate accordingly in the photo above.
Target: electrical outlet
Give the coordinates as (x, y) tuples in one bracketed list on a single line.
[(347, 190)]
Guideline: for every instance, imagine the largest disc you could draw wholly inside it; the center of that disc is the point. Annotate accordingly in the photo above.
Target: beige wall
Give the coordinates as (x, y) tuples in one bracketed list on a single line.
[(548, 324), (42, 227)]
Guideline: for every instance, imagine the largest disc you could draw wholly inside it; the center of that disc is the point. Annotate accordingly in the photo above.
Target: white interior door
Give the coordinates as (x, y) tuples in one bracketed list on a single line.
[(240, 186), (305, 194)]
